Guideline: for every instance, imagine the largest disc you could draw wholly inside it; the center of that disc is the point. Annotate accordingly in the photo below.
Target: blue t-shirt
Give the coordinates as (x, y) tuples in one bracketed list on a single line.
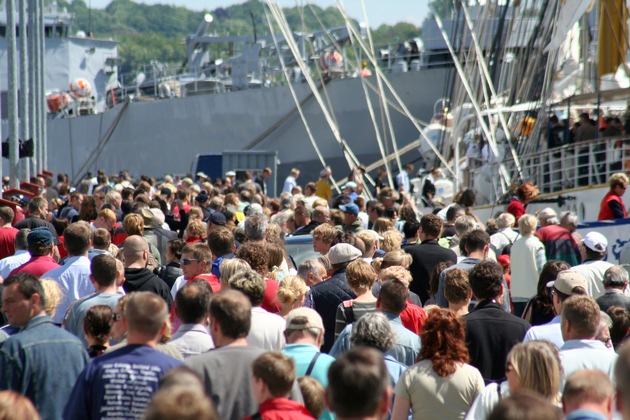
[(118, 385)]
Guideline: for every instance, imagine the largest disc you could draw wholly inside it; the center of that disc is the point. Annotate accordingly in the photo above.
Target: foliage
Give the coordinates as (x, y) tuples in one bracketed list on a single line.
[(158, 32)]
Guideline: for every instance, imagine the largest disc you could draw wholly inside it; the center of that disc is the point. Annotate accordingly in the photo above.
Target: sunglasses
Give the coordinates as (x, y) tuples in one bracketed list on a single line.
[(116, 317), (187, 261)]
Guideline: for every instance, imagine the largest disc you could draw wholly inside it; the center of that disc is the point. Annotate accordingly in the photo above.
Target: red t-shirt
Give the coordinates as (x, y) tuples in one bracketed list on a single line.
[(7, 241), (413, 317), (36, 266)]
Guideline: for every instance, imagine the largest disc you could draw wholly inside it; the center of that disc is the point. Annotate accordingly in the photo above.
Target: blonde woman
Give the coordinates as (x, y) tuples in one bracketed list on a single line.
[(527, 259), (392, 240), (229, 268), (291, 294), (531, 366), (54, 294)]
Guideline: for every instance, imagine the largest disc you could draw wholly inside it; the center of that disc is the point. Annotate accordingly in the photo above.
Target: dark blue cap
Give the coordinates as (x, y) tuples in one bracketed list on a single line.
[(350, 208), (39, 236)]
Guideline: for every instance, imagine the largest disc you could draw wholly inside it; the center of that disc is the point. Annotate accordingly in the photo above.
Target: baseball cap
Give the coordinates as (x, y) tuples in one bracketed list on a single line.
[(304, 319), (39, 236), (567, 280), (217, 218), (166, 192), (201, 198), (351, 185), (342, 253), (350, 208), (230, 173), (202, 175), (595, 241)]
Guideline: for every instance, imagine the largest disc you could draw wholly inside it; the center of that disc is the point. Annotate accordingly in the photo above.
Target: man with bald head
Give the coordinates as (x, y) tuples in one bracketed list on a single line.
[(137, 276)]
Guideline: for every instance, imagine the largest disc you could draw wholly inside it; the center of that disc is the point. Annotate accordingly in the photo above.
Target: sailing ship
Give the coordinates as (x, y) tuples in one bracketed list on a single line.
[(517, 64)]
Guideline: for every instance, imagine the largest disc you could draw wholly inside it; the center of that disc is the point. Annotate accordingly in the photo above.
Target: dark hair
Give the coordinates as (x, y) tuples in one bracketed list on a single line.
[(357, 383), (620, 324), (452, 211), (103, 269), (548, 273), (486, 280), (393, 296), (231, 310), (221, 241), (175, 246), (192, 303), (410, 228), (476, 240), (431, 225), (28, 285), (434, 278), (98, 323), (443, 341), (77, 238)]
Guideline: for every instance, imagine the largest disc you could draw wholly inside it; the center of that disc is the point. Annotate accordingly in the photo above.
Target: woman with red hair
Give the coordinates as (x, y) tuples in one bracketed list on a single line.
[(441, 385)]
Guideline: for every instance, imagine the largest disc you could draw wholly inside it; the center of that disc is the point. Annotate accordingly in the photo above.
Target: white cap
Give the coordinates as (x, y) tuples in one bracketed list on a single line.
[(596, 241)]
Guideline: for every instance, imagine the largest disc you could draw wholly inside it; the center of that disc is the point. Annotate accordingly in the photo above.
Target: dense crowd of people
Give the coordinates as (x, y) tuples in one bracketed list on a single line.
[(180, 299)]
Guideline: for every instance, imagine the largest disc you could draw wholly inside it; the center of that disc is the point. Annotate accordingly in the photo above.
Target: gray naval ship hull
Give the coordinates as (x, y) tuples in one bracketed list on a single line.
[(164, 136)]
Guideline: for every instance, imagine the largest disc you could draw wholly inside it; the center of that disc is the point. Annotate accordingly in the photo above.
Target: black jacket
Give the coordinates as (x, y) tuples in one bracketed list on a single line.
[(613, 299), (326, 296), (143, 280), (425, 256), (306, 230), (169, 273), (490, 335)]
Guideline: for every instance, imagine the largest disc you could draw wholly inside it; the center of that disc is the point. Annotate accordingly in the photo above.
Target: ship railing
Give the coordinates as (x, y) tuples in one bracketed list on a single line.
[(270, 75), (582, 164)]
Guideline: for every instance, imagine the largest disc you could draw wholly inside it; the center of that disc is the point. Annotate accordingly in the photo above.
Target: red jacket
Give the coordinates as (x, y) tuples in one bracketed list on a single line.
[(604, 209), (516, 208), (282, 409)]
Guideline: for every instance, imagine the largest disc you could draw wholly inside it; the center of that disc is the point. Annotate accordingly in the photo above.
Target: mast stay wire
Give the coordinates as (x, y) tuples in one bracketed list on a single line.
[(297, 102), (396, 96), (283, 26), (364, 83), (379, 83)]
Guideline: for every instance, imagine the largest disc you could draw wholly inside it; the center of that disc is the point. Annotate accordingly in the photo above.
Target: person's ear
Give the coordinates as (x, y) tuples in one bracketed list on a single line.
[(386, 400)]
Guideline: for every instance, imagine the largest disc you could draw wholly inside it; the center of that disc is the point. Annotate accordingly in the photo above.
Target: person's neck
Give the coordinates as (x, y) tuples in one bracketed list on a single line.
[(230, 342), (142, 340), (304, 340), (477, 254), (6, 225), (460, 309), (136, 264), (425, 238), (85, 254), (365, 296), (113, 289)]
